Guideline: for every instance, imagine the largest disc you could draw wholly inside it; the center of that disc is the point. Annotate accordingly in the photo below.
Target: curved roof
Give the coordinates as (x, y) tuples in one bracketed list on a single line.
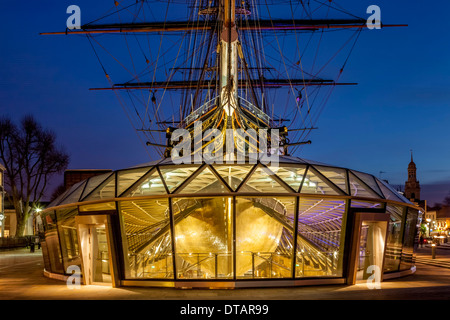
[(291, 175)]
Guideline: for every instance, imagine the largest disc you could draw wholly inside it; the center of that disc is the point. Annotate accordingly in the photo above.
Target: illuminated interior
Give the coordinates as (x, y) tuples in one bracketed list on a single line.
[(229, 222)]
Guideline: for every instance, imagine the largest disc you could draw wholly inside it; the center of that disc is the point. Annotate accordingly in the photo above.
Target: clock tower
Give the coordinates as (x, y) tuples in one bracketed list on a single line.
[(412, 186)]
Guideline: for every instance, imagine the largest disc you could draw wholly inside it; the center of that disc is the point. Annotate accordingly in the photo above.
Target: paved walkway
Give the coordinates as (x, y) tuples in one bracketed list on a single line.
[(21, 277)]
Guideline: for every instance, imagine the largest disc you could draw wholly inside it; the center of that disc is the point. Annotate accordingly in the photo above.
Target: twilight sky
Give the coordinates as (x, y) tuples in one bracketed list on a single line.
[(401, 102)]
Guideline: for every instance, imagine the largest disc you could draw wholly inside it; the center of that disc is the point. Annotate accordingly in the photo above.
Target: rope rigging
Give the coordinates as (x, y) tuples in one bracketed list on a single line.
[(267, 51)]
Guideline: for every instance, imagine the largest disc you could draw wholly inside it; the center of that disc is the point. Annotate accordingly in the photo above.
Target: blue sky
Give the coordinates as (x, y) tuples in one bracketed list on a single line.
[(401, 102)]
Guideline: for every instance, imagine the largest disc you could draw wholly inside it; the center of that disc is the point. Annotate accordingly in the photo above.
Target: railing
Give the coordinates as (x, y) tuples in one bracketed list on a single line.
[(15, 242), (200, 111), (254, 110), (258, 265), (213, 102)]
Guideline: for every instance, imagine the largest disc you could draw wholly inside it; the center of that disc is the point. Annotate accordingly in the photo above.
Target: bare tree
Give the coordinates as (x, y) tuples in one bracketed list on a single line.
[(30, 156)]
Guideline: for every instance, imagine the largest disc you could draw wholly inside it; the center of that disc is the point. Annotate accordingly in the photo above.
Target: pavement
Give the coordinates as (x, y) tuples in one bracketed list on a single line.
[(21, 278)]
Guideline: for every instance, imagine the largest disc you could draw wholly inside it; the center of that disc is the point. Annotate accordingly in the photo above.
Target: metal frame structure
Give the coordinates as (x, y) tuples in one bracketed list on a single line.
[(83, 197)]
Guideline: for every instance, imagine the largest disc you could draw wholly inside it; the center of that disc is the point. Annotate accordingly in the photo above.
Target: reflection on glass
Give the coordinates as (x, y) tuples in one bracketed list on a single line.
[(314, 184), (92, 183), (233, 175), (291, 175), (106, 190), (369, 180), (359, 189), (410, 233), (68, 237), (151, 184), (263, 180), (394, 238), (204, 182), (174, 177), (147, 243), (264, 237), (69, 243), (203, 238), (101, 271), (52, 247), (336, 175), (126, 178), (366, 204), (319, 247)]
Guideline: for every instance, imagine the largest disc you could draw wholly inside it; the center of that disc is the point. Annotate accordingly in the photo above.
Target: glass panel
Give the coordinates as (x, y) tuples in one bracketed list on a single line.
[(262, 181), (410, 234), (390, 193), (49, 220), (93, 183), (319, 243), (233, 175), (63, 214), (336, 175), (56, 202), (204, 238), (175, 177), (150, 185), (75, 194), (369, 180), (127, 178), (106, 206), (101, 271), (371, 248), (69, 243), (106, 190), (315, 185), (359, 189), (50, 247), (147, 242), (264, 237), (394, 238), (204, 182), (366, 204), (292, 176)]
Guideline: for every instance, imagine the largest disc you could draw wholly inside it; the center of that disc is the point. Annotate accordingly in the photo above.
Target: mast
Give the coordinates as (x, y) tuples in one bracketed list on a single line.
[(228, 57), (228, 26)]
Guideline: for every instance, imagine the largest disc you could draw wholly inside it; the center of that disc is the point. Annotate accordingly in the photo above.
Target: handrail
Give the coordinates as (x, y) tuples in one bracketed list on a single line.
[(194, 115)]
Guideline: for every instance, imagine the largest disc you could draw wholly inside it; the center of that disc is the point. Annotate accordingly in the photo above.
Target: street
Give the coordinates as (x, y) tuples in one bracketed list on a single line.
[(21, 278)]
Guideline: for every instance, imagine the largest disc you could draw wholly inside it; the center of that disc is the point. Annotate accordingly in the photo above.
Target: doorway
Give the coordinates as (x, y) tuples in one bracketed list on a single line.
[(367, 247), (94, 241), (371, 248)]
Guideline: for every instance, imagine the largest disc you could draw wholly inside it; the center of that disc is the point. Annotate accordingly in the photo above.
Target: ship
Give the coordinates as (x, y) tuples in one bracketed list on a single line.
[(227, 93)]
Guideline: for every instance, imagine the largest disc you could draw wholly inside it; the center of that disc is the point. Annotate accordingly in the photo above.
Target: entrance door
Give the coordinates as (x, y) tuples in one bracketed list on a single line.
[(367, 246), (371, 248), (95, 247)]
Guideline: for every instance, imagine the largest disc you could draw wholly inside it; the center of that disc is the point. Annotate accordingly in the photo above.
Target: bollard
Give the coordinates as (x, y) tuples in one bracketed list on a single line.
[(433, 251)]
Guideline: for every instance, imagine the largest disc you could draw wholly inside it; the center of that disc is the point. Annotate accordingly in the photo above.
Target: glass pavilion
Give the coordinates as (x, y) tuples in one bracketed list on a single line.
[(230, 225)]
